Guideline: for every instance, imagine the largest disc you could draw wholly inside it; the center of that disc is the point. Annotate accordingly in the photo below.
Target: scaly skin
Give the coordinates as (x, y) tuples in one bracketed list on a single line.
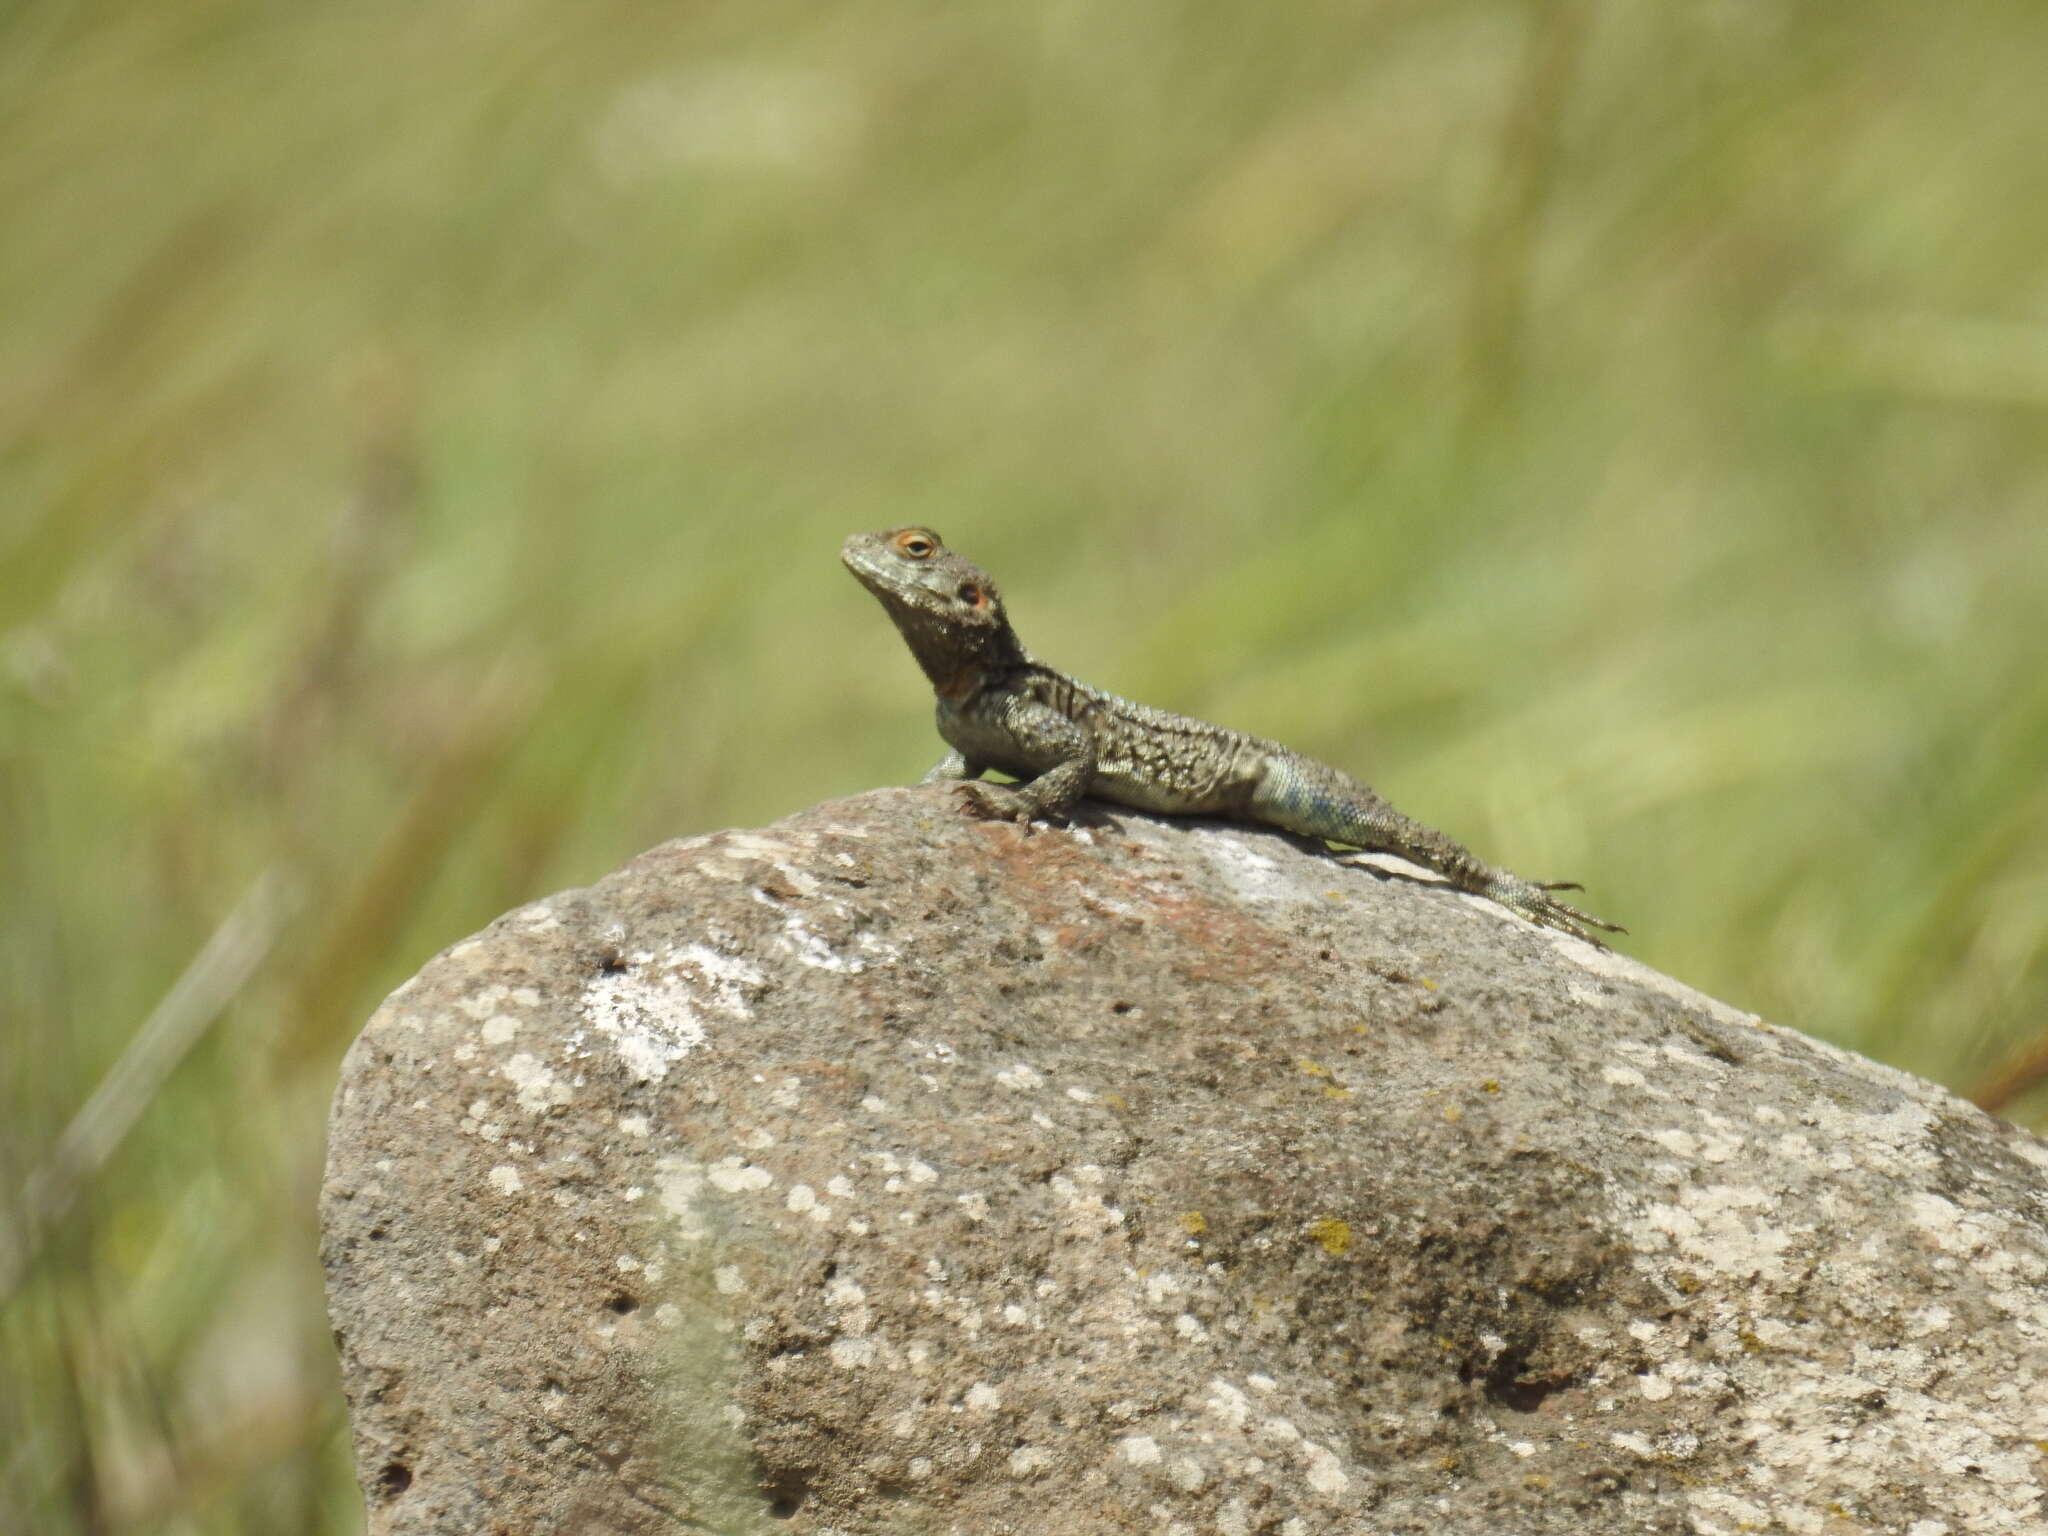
[(999, 708)]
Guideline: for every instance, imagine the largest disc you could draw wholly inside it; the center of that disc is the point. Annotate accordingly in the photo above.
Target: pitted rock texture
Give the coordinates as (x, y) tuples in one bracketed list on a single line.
[(886, 1171)]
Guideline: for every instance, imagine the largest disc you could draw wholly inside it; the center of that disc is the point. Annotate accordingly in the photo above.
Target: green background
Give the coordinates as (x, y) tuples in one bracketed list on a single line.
[(426, 432)]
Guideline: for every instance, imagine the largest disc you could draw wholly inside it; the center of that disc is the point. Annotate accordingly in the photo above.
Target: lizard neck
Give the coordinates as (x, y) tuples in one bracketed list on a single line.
[(956, 660)]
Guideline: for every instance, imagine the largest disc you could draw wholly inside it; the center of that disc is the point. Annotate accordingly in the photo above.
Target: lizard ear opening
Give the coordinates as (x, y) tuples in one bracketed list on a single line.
[(973, 595)]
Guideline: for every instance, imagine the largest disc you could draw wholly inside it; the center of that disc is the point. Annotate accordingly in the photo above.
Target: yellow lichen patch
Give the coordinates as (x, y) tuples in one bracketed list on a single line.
[(1489, 1086), (1332, 1091), (1454, 1113), (1332, 1232), (1194, 1223), (1312, 1068)]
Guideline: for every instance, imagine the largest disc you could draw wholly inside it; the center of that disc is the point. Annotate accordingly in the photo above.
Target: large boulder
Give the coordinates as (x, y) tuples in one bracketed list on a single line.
[(888, 1171)]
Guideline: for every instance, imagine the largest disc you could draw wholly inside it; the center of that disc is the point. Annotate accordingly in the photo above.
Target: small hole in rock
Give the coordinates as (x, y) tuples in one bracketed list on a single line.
[(1121, 1007), (1509, 1385), (622, 1304), (394, 1479), (786, 1493)]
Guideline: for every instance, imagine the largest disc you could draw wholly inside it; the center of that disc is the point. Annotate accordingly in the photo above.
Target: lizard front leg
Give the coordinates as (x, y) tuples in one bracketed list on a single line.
[(1041, 734)]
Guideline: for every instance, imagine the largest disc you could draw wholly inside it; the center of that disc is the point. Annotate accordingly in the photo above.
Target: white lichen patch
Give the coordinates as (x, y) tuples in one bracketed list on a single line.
[(1680, 1142), (679, 1186), (476, 1121), (537, 917), (505, 1179), (1139, 1450), (1324, 1471), (498, 1029), (1228, 1403), (852, 1353), (1631, 1078), (535, 1082), (655, 1011), (1724, 1229), (735, 1175), (1085, 1211)]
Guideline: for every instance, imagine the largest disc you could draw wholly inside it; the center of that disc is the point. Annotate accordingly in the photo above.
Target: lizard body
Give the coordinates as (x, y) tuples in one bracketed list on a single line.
[(1001, 708)]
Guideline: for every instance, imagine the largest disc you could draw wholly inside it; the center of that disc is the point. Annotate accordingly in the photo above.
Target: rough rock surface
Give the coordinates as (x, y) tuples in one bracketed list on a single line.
[(886, 1171)]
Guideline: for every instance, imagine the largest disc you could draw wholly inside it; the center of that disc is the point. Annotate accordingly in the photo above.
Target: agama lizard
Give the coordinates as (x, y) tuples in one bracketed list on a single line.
[(998, 707)]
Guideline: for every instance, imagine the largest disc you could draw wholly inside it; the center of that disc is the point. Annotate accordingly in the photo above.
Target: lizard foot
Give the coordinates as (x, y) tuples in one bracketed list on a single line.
[(994, 802), (1532, 899)]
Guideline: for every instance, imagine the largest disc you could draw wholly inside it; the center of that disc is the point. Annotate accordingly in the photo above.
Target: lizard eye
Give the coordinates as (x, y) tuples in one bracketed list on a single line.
[(918, 546)]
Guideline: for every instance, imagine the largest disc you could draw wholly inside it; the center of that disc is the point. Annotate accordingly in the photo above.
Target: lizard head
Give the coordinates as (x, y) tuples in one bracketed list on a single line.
[(911, 570), (948, 610)]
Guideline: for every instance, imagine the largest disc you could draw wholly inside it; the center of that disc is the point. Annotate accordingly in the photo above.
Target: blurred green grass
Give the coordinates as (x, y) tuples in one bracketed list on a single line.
[(425, 433)]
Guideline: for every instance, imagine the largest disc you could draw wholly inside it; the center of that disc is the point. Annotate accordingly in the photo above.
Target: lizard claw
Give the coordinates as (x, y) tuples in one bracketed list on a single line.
[(1532, 899)]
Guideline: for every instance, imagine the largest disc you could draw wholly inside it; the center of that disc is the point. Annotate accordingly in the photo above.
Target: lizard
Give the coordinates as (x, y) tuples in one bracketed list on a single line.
[(1000, 707)]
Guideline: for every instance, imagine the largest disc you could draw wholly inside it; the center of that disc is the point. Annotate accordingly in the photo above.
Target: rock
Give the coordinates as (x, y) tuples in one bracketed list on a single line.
[(887, 1171)]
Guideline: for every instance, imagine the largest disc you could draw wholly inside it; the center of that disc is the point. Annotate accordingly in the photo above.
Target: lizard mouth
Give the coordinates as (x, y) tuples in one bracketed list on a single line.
[(865, 567)]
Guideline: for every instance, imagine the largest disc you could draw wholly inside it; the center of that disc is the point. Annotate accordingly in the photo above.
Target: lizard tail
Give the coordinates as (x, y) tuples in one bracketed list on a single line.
[(1312, 799)]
